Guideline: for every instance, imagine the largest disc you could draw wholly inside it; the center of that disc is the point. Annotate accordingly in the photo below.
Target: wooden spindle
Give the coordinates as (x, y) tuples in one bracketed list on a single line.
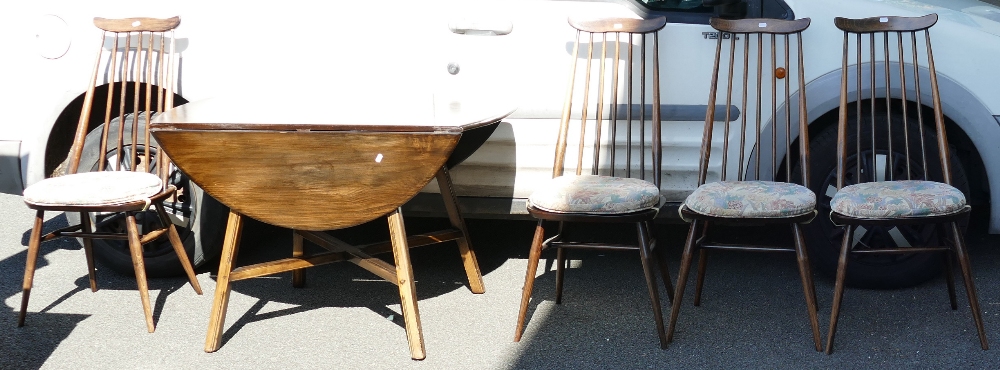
[(102, 158), (803, 116), (585, 107), (788, 114), (774, 107), (642, 106), (657, 133), (858, 131), (613, 126), (942, 139), (628, 127), (121, 101), (906, 126), (888, 105), (871, 62), (560, 156), (600, 107), (743, 105), (729, 100), (841, 115), (706, 141)]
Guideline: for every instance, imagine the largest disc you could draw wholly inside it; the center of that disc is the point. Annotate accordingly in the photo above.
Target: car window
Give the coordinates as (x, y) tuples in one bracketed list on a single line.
[(696, 12), (995, 3), (694, 6)]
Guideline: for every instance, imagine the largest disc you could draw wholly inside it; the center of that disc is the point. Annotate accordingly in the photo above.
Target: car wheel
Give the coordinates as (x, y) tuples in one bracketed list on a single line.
[(198, 217), (824, 239)]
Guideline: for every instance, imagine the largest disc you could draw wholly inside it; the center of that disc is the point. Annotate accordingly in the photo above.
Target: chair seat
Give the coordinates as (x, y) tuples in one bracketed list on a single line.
[(890, 199), (93, 189), (599, 195), (751, 199)]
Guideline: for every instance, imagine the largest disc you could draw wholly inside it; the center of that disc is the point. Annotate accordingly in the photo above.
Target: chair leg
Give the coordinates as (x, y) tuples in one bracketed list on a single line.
[(970, 285), (29, 268), (682, 277), (808, 288), (647, 269), (529, 277), (948, 261), (178, 245), (230, 248), (560, 271), (702, 267), (700, 282), (88, 249), (299, 275), (838, 289), (662, 261), (140, 268), (950, 278)]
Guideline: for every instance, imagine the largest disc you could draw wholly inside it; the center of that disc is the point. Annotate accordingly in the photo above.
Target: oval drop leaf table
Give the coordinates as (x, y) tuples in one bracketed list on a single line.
[(357, 160)]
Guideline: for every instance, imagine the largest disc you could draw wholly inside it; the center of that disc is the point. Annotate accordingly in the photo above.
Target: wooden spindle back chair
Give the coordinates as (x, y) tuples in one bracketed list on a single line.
[(608, 150), (133, 78), (757, 172), (893, 160)]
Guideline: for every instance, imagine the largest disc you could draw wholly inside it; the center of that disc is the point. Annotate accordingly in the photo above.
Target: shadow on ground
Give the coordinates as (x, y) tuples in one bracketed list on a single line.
[(437, 269), (753, 315)]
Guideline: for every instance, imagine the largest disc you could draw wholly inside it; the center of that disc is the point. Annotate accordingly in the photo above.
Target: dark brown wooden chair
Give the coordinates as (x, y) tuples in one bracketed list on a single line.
[(759, 68), (134, 73), (614, 161), (893, 165)]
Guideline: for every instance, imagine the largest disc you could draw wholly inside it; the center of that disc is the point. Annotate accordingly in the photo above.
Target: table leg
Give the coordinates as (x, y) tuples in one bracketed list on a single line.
[(464, 243), (407, 289), (230, 247), (299, 275)]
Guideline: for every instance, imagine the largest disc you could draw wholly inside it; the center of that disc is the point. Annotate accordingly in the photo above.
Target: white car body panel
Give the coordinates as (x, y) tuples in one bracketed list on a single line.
[(519, 49)]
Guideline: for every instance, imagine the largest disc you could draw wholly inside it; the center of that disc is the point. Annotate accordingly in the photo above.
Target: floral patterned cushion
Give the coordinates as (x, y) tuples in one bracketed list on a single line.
[(590, 194), (93, 188), (751, 199), (906, 198)]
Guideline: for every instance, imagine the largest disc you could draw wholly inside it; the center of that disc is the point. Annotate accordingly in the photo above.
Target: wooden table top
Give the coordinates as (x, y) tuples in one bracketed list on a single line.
[(386, 112), (317, 168)]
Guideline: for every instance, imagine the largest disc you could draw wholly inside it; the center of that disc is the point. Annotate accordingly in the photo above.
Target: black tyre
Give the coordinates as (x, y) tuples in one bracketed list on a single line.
[(199, 218), (824, 239)]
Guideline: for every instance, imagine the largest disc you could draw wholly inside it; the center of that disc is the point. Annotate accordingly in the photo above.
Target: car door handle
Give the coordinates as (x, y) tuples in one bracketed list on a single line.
[(480, 28)]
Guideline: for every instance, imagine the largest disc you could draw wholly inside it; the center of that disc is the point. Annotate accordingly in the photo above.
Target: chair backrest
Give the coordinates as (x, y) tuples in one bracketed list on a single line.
[(134, 73), (614, 120), (763, 90), (888, 68)]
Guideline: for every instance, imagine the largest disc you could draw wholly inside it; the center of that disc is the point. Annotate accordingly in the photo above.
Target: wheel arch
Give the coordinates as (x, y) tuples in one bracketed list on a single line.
[(60, 135), (967, 118)]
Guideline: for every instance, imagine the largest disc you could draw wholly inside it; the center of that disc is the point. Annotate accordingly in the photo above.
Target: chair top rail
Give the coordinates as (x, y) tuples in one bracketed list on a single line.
[(619, 24), (140, 24), (886, 24), (760, 25)]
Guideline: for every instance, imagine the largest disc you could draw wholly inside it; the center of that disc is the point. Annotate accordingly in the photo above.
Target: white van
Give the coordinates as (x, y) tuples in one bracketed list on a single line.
[(518, 48)]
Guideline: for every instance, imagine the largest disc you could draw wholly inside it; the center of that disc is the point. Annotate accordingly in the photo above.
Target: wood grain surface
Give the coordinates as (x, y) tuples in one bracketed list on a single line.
[(137, 24), (309, 180), (618, 24), (760, 25), (883, 24)]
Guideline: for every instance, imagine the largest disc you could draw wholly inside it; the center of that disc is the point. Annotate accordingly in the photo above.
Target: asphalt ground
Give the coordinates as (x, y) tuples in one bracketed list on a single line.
[(752, 313)]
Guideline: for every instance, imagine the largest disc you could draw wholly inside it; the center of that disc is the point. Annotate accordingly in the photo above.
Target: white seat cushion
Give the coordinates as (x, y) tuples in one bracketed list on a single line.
[(890, 199), (599, 195), (751, 199), (93, 188)]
